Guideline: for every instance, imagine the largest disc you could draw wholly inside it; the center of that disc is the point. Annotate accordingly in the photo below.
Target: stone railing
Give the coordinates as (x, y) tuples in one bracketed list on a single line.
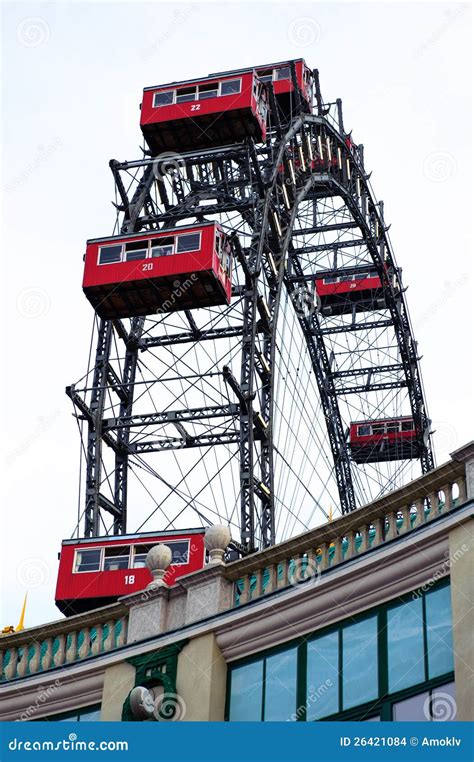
[(312, 553), (220, 587), (63, 642)]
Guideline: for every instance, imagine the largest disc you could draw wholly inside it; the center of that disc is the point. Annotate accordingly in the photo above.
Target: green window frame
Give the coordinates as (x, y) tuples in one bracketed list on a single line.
[(436, 656)]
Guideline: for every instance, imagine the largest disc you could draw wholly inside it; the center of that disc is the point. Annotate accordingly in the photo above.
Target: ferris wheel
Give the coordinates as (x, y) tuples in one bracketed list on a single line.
[(252, 359)]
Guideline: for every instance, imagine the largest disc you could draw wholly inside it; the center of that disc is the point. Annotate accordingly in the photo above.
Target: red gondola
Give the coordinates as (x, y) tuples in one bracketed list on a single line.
[(203, 113), (96, 571), (383, 440), (357, 289), (159, 272), (280, 76)]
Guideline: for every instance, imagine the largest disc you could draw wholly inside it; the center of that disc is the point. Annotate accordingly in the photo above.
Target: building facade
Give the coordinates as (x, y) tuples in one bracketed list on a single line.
[(369, 617)]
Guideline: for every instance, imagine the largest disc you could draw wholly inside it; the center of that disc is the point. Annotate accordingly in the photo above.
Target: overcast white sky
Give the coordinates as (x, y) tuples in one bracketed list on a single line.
[(72, 76)]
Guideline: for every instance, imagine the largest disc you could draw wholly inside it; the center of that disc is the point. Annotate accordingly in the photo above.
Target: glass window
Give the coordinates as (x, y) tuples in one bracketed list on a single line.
[(179, 550), (188, 242), (411, 709), (163, 99), (208, 91), (322, 677), (116, 558), (266, 77), (136, 250), (378, 428), (443, 703), (162, 251), (439, 632), (360, 276), (110, 254), (280, 686), (364, 431), (405, 645), (407, 425), (230, 86), (87, 560), (187, 94), (246, 692), (372, 719), (283, 73), (331, 279), (359, 663), (393, 426)]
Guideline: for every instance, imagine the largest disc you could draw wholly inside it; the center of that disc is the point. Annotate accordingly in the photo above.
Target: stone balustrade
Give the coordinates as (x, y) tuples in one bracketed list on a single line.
[(63, 642), (312, 553), (220, 587)]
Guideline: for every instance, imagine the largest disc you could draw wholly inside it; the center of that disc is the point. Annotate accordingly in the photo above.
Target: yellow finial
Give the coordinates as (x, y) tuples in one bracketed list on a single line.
[(330, 513), (21, 623)]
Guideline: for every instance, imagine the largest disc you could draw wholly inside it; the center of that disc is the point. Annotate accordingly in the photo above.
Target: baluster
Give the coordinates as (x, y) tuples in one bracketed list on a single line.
[(324, 563), (10, 669), (47, 659), (420, 512), (390, 526), (84, 646), (22, 662), (283, 581), (60, 654), (337, 557), (122, 636), (433, 502), (98, 640), (448, 498), (245, 591), (257, 590), (71, 647), (405, 526), (378, 539), (272, 578), (312, 565), (351, 549), (364, 533), (35, 659)]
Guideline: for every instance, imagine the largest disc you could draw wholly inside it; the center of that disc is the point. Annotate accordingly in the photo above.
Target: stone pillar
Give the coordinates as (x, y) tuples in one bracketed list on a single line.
[(148, 613), (461, 549), (119, 680), (466, 455), (201, 680)]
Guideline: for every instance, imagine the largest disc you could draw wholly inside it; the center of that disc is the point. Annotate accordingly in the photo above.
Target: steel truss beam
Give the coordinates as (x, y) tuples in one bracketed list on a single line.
[(247, 180)]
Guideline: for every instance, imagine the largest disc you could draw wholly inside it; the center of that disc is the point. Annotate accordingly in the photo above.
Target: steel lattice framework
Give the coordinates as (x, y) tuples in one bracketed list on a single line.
[(269, 380)]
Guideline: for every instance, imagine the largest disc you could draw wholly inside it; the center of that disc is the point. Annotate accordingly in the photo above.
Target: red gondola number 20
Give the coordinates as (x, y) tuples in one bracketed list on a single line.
[(147, 266)]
